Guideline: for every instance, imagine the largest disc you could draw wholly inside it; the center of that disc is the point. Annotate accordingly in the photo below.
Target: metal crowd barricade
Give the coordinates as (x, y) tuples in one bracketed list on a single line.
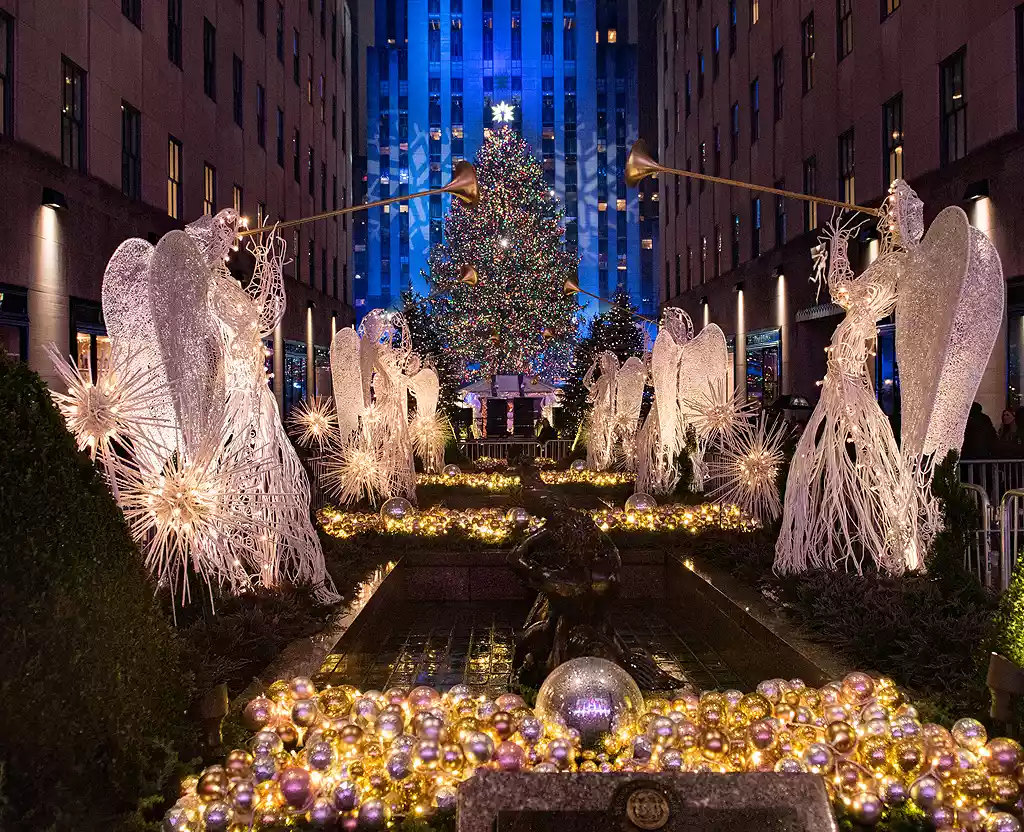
[(980, 557), (995, 476), (556, 449), (1011, 513)]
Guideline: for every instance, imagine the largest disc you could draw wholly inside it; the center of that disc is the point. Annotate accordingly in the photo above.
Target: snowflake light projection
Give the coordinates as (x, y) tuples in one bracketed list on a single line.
[(747, 470), (313, 422), (205, 473)]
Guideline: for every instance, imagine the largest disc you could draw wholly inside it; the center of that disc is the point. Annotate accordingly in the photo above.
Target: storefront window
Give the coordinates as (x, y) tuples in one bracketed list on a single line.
[(730, 378), (14, 322), (91, 344), (294, 374), (887, 376), (1014, 365), (322, 363), (764, 365)]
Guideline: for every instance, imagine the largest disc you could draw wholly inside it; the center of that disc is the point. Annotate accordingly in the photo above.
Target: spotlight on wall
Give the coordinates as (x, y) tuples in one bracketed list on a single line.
[(738, 286), (976, 190), (54, 199)]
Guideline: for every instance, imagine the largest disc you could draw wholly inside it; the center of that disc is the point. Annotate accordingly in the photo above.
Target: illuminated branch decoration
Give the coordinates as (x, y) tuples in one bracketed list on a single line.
[(206, 476)]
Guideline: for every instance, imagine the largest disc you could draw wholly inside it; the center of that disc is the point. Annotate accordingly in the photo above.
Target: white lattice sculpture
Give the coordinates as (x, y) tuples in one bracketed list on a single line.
[(683, 369), (373, 371), (853, 496), (198, 459), (629, 396), (601, 420), (429, 431)]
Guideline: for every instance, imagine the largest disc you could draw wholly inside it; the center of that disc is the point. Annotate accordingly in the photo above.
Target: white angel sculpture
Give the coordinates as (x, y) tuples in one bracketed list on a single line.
[(601, 420), (682, 368), (208, 482)]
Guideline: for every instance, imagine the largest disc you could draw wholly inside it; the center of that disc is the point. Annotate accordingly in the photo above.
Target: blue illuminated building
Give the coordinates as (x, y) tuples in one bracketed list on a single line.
[(569, 70)]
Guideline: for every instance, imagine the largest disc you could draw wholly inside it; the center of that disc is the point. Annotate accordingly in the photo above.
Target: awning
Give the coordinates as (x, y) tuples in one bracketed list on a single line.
[(822, 310)]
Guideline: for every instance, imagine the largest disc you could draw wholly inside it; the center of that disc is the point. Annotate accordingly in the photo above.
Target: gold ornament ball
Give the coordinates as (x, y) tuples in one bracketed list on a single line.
[(593, 696), (213, 784), (714, 744), (841, 736), (301, 688), (1002, 822), (866, 808), (279, 691), (334, 703), (970, 734), (1002, 755), (257, 713), (857, 688)]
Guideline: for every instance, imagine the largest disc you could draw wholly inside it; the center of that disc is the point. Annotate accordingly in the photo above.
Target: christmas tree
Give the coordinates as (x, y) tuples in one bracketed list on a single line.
[(615, 330), (517, 318), (428, 344)]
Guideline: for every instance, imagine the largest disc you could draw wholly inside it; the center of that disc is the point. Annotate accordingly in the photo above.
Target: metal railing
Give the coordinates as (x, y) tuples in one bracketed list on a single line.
[(1011, 528), (995, 476), (556, 449), (981, 557)]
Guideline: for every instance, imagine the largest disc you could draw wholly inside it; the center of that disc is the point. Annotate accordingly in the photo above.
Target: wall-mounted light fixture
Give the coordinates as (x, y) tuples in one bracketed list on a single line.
[(976, 190), (704, 300), (738, 286), (54, 199)]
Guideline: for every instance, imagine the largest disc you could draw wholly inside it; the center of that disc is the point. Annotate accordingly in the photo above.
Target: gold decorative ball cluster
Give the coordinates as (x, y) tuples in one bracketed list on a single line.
[(367, 759), (497, 525)]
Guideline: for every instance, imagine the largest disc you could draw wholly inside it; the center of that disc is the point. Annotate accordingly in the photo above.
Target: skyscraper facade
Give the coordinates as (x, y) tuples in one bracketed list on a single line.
[(437, 75)]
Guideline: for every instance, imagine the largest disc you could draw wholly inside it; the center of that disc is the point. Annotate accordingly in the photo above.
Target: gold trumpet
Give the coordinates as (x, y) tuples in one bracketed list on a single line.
[(571, 287), (640, 164), (463, 185), (468, 275)]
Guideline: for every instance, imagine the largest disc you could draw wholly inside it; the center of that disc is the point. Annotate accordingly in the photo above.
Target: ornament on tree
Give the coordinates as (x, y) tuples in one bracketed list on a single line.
[(513, 241)]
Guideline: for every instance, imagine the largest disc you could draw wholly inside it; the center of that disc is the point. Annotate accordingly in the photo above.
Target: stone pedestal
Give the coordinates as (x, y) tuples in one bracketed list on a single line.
[(528, 802)]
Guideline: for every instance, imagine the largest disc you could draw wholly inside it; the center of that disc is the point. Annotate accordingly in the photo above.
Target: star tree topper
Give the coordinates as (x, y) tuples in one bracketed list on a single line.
[(502, 113)]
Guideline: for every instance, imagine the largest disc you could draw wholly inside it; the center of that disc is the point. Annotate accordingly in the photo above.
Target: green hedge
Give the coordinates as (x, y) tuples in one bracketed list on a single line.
[(94, 680)]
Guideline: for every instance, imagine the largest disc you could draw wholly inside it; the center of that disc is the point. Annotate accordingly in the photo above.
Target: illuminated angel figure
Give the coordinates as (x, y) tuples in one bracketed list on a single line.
[(601, 420), (429, 431), (845, 500)]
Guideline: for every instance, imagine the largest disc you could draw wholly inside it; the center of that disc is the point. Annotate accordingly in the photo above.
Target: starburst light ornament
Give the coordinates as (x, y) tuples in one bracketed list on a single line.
[(747, 470), (358, 469), (313, 422), (715, 415), (502, 113)]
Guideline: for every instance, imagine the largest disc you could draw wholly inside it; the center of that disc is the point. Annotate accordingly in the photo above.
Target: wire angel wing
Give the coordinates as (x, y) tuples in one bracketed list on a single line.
[(346, 378), (188, 335), (948, 315)]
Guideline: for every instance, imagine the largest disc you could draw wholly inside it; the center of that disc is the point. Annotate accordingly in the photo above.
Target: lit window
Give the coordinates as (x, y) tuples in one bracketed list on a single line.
[(612, 36), (647, 243), (236, 199), (173, 178), (602, 206), (620, 205), (209, 188), (403, 208)]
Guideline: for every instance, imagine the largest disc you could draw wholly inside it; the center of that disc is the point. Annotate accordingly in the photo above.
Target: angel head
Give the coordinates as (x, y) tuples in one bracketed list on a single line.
[(902, 215), (215, 236), (678, 324), (608, 362)]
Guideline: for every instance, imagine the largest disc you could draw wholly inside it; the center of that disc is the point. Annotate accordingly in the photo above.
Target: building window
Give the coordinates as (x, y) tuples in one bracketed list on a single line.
[(807, 52), (892, 139), (295, 56), (236, 88), (847, 190), (296, 168), (780, 216), (702, 163), (700, 74), (209, 59), (334, 36), (311, 250), (777, 79), (735, 241), (309, 170), (755, 111), (844, 27), (334, 116), (455, 43), (280, 137), (755, 11), (810, 187), (687, 90), (703, 260), (953, 97), (209, 188), (689, 184), (689, 266), (888, 7), (6, 74), (547, 39), (734, 131), (174, 178), (131, 152), (717, 142), (323, 186), (309, 78), (715, 47), (733, 16), (755, 227), (72, 118), (279, 35), (236, 199), (174, 32), (323, 19), (1020, 65), (261, 16), (679, 274), (261, 116), (132, 9)]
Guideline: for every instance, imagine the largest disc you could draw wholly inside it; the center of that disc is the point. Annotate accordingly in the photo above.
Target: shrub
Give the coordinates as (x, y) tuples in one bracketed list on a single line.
[(93, 679)]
